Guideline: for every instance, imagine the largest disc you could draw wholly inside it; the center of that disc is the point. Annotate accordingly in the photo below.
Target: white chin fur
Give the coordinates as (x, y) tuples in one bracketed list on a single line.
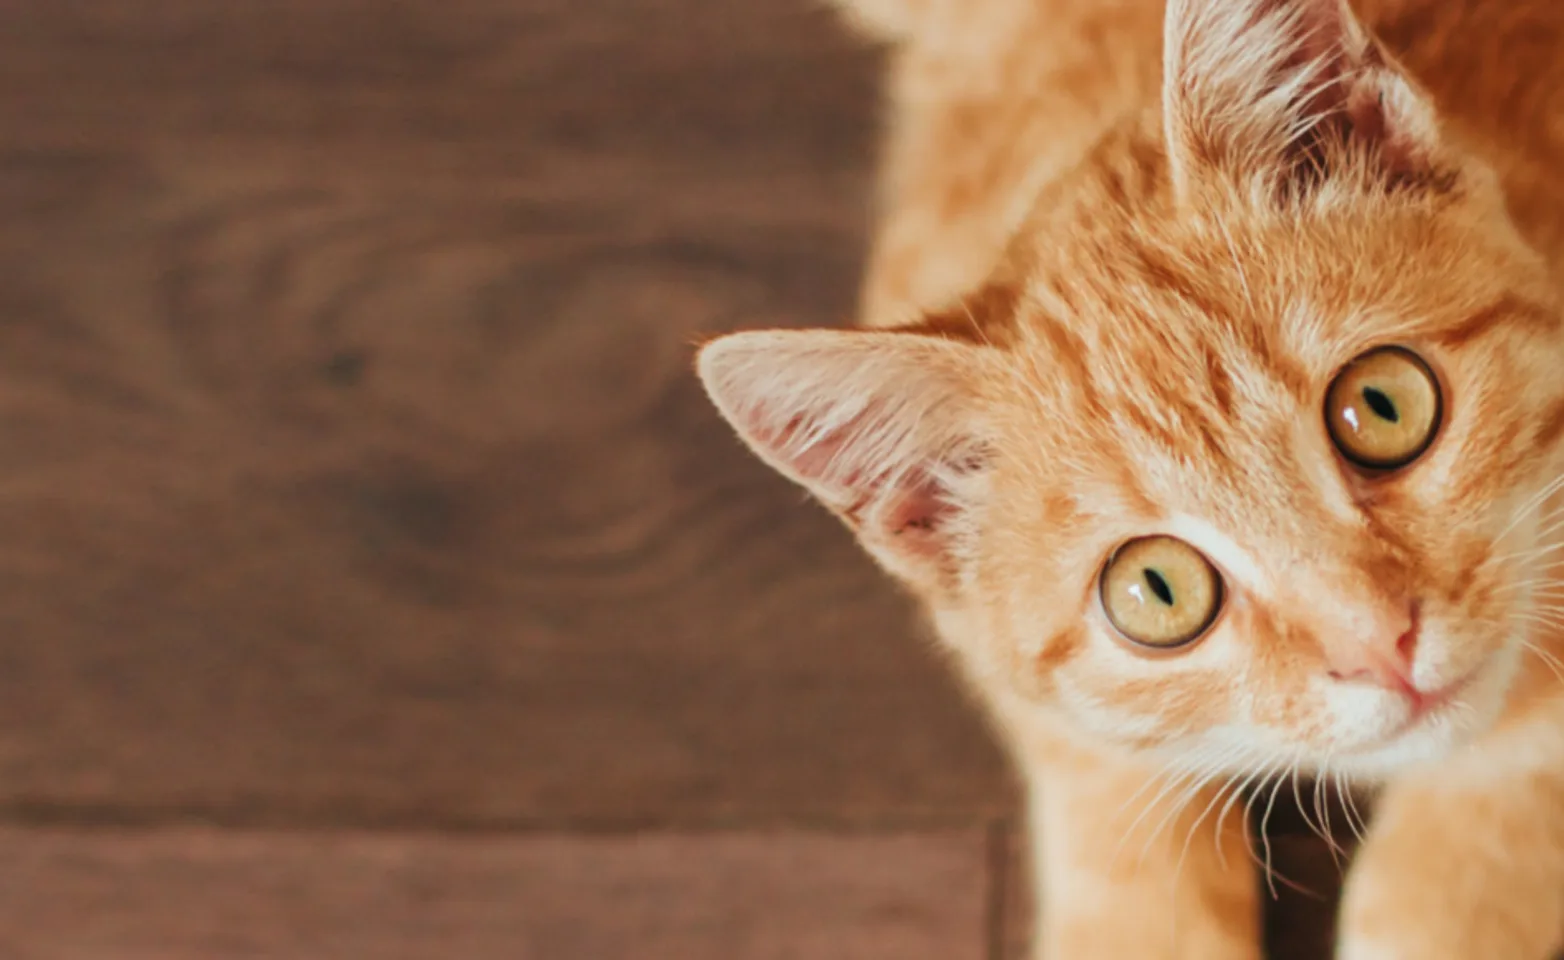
[(1457, 724)]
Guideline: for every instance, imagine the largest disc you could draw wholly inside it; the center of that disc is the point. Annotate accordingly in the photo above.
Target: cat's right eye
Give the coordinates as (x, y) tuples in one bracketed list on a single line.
[(1383, 409), (1160, 592)]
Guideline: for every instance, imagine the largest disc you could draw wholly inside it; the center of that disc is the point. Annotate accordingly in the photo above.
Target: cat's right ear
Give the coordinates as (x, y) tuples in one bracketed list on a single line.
[(1284, 95), (883, 428)]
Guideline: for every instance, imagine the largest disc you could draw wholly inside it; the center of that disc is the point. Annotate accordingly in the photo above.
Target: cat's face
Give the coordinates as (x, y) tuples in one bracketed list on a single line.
[(1245, 453), (1284, 500)]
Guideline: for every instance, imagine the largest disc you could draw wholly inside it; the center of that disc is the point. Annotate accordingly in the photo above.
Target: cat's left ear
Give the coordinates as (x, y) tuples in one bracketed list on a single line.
[(883, 428), (1287, 94)]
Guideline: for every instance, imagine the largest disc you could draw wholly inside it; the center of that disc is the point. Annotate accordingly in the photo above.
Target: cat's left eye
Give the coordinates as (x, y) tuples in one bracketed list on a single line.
[(1383, 409), (1160, 592)]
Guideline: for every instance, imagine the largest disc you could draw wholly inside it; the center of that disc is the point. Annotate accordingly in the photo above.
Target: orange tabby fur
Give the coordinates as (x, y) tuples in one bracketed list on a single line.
[(1121, 259)]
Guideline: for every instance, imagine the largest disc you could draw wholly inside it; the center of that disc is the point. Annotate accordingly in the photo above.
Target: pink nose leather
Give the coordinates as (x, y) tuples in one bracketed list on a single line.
[(1383, 657)]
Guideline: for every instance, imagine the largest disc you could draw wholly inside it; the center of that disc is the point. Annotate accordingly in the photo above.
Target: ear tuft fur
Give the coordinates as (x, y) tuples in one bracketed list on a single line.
[(1284, 95)]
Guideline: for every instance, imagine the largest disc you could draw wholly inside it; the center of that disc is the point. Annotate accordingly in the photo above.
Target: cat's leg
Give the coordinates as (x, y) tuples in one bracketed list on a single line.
[(1459, 867), (1128, 869)]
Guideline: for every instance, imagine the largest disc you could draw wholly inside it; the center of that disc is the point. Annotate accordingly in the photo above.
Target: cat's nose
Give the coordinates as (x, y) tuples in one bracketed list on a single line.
[(1381, 654)]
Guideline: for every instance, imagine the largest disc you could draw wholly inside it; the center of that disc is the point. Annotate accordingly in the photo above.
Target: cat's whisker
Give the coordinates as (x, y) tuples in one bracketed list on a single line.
[(1542, 518), (1549, 591), (1542, 579), (1173, 764), (1546, 602), (1194, 828), (1547, 624), (1546, 594), (1552, 523), (1545, 618), (1552, 662), (1272, 874), (1545, 529), (1532, 553), (1181, 804), (1349, 805), (1211, 772), (1545, 558), (1265, 837), (1315, 828), (1221, 819), (1249, 803), (1169, 784), (1541, 618), (1322, 805), (1535, 501), (1538, 589), (1292, 775), (1168, 818), (1525, 636), (1546, 544), (1204, 765), (1178, 869)]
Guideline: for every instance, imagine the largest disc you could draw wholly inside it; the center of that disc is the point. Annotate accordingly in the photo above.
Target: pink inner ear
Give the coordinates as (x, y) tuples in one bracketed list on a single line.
[(912, 509), (917, 511), (912, 515), (922, 503), (813, 463), (826, 461)]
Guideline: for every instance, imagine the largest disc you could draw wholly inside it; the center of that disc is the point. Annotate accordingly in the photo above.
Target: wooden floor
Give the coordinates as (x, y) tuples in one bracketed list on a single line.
[(374, 581)]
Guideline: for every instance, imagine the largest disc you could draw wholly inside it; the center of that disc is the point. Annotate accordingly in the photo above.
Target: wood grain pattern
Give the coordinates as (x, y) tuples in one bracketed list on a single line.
[(196, 894), (356, 468)]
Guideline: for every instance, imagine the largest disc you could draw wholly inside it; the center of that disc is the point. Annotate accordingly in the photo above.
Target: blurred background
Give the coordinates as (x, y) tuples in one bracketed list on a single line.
[(374, 580)]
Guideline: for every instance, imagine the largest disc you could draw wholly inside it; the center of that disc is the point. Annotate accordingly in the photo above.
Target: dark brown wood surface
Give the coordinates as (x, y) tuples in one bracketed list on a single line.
[(374, 581), (202, 894)]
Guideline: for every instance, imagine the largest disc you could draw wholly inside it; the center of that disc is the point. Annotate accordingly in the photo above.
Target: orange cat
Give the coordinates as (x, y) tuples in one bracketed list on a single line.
[(1216, 417)]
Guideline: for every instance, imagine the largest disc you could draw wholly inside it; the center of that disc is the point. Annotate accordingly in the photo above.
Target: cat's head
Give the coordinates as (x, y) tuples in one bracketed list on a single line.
[(1245, 448)]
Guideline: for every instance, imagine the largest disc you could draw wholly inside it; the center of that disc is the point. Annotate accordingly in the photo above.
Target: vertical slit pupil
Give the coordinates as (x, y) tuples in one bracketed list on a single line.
[(1381, 404), (1159, 586)]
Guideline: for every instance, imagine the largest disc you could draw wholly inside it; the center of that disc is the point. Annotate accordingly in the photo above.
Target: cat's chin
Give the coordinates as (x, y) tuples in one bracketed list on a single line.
[(1427, 740), (1471, 708)]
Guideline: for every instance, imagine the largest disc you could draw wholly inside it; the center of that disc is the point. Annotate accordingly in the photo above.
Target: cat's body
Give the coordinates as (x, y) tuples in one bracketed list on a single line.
[(1123, 287)]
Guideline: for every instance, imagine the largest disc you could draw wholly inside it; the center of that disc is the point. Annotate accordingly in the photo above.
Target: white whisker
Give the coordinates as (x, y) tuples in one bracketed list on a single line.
[(1355, 820), (1265, 837)]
